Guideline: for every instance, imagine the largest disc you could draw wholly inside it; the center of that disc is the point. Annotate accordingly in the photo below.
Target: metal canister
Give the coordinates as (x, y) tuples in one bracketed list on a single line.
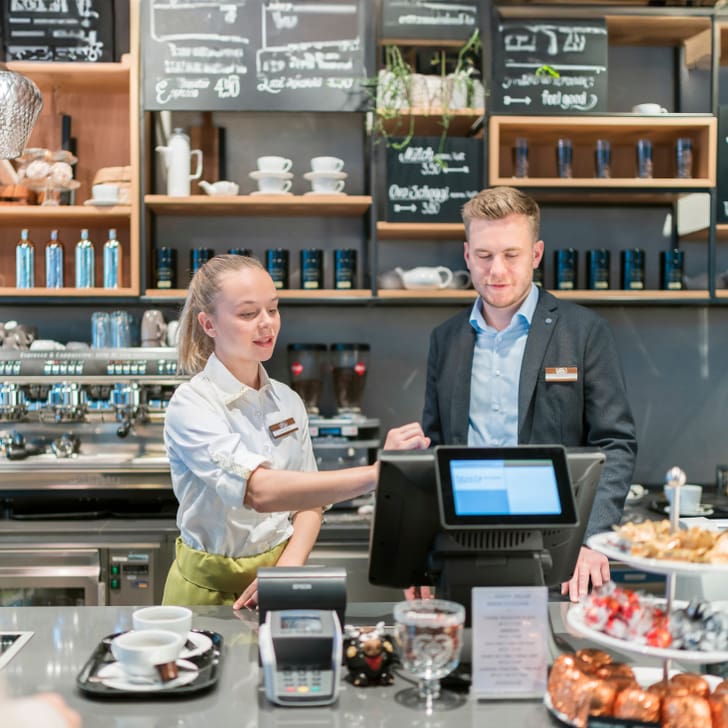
[(247, 252), (54, 261), (633, 269), (198, 258), (85, 262), (112, 261), (312, 269), (565, 264), (345, 268), (672, 267), (276, 263), (597, 269), (24, 261), (165, 273)]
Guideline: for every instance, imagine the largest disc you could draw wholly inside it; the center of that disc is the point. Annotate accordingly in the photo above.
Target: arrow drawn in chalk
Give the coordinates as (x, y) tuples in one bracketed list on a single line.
[(405, 208), (508, 100), (464, 168)]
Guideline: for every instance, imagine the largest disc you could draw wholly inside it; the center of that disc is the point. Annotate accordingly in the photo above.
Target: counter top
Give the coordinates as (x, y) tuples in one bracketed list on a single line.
[(65, 637)]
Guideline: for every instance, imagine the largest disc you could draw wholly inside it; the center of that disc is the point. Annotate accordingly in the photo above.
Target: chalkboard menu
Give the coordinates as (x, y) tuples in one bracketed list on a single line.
[(43, 30), (254, 55), (550, 67), (442, 20), (419, 189), (722, 216)]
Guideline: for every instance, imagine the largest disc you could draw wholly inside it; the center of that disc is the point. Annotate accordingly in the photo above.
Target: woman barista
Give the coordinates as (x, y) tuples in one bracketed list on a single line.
[(239, 448)]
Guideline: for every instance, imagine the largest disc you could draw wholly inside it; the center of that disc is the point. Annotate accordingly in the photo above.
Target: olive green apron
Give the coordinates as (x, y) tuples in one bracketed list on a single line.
[(197, 577)]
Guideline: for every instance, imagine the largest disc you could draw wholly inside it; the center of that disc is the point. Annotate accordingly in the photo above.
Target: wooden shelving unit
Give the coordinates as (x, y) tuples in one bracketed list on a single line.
[(420, 231), (292, 205), (289, 294), (441, 294), (57, 216), (39, 291), (619, 296), (428, 122), (77, 77)]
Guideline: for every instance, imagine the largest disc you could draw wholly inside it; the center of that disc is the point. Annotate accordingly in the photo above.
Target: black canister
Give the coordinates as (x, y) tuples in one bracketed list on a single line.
[(165, 272), (633, 269), (198, 258), (672, 267), (276, 263), (345, 268), (565, 262), (247, 252), (312, 269), (597, 269)]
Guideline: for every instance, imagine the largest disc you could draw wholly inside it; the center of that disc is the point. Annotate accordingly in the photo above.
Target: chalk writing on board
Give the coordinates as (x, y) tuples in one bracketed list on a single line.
[(294, 55), (443, 20)]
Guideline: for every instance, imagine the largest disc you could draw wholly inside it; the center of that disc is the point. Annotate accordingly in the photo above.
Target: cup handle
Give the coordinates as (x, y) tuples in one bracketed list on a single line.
[(663, 110), (287, 165), (198, 173), (287, 185), (462, 279), (339, 185), (339, 165), (445, 276)]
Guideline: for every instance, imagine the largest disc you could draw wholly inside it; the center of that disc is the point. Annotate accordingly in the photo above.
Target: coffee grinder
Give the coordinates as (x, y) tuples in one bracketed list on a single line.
[(349, 366), (305, 368)]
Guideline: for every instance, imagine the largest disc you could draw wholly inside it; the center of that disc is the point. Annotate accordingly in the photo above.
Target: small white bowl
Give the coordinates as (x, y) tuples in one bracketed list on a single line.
[(139, 653), (174, 619)]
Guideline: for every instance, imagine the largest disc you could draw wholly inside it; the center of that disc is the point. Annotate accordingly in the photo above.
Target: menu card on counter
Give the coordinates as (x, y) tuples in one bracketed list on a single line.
[(422, 189), (550, 66), (427, 20), (254, 55), (58, 31), (510, 649)]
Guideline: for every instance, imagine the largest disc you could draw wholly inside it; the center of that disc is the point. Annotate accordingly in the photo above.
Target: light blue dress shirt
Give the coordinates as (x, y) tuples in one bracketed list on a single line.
[(497, 358)]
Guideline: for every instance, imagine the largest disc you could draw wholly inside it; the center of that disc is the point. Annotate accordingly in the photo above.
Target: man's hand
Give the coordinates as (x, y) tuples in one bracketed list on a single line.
[(249, 598), (590, 566), (407, 437)]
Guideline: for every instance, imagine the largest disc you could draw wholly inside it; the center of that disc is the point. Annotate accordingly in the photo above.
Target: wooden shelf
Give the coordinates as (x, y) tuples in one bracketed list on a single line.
[(619, 296), (420, 231), (440, 294), (84, 215), (289, 205), (76, 77), (721, 234), (622, 131), (284, 295), (41, 292), (428, 122)]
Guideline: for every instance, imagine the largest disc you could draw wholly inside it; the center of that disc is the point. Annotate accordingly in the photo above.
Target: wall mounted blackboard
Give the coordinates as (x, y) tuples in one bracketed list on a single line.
[(550, 67), (421, 190), (254, 55), (39, 30), (441, 20), (722, 216)]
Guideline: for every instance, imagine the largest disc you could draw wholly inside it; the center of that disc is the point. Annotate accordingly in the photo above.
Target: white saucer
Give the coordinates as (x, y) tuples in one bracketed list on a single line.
[(102, 203), (325, 175), (114, 676), (703, 510), (276, 194), (257, 174), (202, 643), (319, 194)]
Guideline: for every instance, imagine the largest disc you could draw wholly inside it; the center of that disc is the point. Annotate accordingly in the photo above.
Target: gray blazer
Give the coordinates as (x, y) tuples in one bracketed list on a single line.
[(593, 411)]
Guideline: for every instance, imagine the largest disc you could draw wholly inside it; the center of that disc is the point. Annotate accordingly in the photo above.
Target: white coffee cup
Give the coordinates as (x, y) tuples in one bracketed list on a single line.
[(274, 164), (327, 164), (460, 279), (172, 333), (690, 496), (649, 109), (139, 652), (170, 618), (105, 192), (426, 277), (274, 185), (327, 185)]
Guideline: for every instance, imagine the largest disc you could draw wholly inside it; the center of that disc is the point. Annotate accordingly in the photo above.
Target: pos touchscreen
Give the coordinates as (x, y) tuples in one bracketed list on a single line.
[(514, 487)]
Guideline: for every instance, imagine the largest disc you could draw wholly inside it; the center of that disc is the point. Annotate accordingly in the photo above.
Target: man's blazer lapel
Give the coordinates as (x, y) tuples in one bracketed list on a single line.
[(463, 346)]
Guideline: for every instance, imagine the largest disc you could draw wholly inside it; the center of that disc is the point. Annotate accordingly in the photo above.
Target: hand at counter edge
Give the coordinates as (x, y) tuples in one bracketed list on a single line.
[(591, 566), (407, 437)]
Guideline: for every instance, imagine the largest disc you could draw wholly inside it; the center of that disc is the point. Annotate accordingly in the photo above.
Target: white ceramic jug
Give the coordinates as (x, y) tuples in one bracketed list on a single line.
[(177, 158), (425, 277)]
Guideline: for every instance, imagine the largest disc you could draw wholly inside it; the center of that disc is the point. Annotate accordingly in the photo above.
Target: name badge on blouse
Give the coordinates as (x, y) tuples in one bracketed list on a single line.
[(562, 374), (283, 428)]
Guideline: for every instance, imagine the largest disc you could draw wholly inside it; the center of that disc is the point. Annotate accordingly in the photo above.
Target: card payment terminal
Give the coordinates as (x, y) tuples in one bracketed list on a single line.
[(301, 652)]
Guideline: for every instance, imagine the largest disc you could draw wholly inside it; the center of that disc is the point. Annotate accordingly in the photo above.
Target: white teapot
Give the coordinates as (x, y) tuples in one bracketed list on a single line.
[(177, 158), (223, 187), (425, 277)]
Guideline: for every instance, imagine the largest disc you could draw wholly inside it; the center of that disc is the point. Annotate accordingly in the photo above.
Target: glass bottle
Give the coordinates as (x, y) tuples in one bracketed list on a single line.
[(24, 261), (112, 261), (85, 263), (54, 261)]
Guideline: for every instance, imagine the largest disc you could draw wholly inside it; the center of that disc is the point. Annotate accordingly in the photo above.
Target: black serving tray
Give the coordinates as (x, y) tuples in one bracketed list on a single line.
[(208, 664)]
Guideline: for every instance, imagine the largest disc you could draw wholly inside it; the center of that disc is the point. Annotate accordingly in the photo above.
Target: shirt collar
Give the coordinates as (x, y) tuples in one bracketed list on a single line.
[(525, 312), (229, 386)]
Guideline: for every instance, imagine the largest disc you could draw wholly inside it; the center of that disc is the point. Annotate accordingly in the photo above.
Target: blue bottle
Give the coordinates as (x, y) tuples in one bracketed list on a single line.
[(54, 261), (24, 262), (85, 262), (112, 261)]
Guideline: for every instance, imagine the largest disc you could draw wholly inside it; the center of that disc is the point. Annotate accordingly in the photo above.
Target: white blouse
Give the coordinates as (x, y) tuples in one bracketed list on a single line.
[(217, 432)]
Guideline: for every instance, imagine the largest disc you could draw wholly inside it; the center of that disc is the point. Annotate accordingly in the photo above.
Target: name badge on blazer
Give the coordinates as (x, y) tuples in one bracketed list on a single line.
[(562, 374), (283, 428)]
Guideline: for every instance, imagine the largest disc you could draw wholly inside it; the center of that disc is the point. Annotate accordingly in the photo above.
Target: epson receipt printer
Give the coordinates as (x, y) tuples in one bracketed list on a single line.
[(301, 651)]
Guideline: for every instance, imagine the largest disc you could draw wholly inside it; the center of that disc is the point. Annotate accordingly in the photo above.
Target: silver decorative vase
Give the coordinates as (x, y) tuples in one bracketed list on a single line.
[(20, 104)]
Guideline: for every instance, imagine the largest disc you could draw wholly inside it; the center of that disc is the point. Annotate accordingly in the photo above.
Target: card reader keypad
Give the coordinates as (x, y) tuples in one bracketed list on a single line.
[(301, 683)]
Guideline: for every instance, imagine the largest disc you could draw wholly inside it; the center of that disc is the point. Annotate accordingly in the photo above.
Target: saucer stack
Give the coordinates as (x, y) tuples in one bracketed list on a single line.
[(272, 176), (326, 177)]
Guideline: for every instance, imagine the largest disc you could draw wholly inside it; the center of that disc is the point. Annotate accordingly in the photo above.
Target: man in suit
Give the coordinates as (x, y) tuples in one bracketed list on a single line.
[(522, 367)]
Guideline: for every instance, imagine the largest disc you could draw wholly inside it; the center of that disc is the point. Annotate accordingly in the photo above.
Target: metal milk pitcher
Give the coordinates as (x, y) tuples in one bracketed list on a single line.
[(177, 158)]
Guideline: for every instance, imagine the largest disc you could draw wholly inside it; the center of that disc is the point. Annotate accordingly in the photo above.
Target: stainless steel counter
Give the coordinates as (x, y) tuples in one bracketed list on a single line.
[(64, 638)]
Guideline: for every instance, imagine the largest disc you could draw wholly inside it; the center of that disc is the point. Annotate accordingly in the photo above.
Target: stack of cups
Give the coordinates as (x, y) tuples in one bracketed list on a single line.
[(326, 177), (272, 176)]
